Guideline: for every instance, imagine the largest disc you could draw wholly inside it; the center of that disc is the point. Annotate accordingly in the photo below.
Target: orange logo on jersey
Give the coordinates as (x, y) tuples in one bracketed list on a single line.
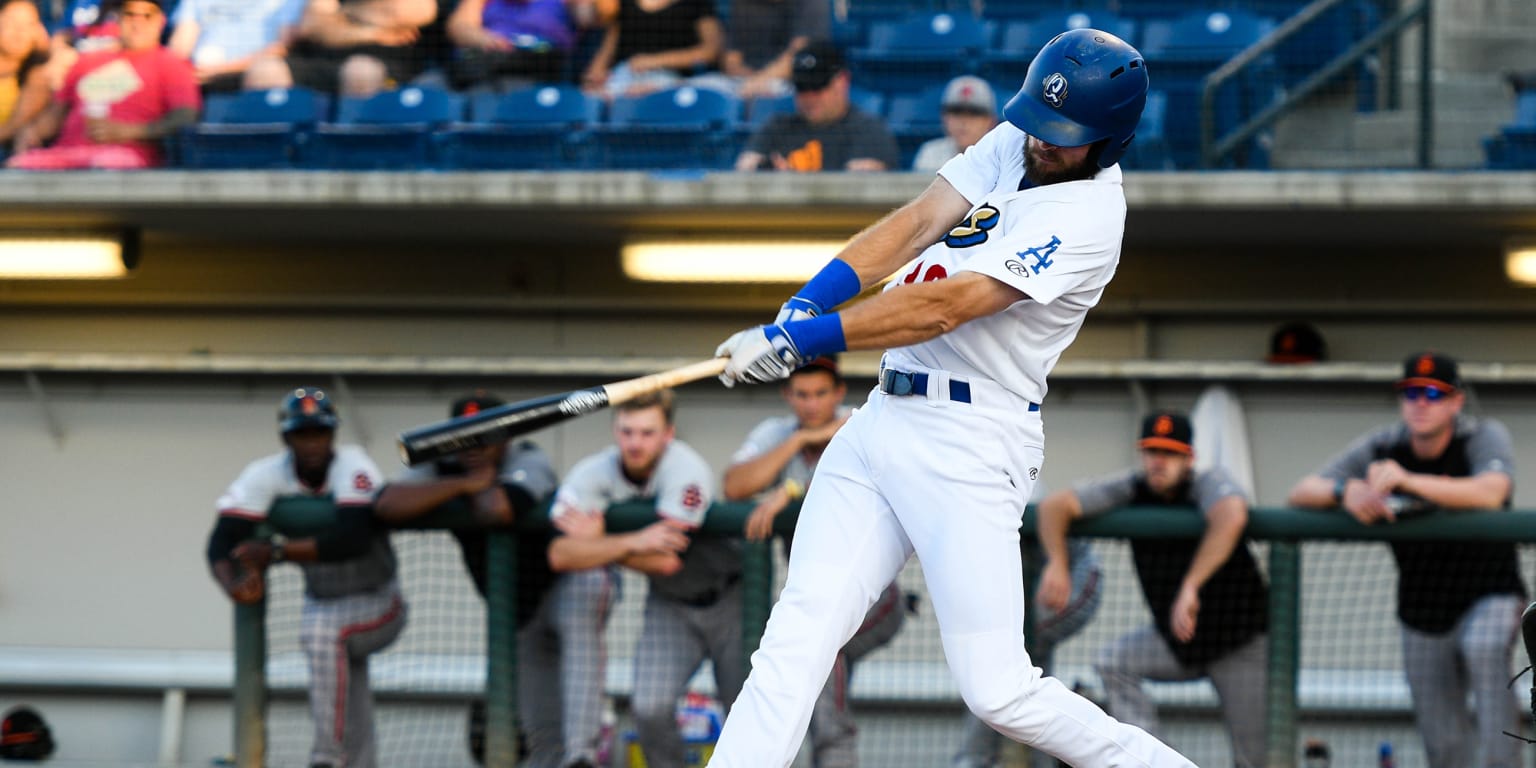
[(807, 158), (1425, 366), (1163, 425), (471, 408), (362, 482)]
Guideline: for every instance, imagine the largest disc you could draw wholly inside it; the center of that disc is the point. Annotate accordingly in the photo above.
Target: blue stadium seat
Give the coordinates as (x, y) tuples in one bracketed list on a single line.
[(1514, 146), (872, 102), (675, 129), (914, 119), (1019, 41), (253, 129), (1149, 151), (542, 127), (388, 131), (919, 51), (1182, 51)]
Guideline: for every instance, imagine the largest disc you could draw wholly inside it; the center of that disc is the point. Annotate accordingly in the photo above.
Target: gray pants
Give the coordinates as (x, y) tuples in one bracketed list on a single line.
[(834, 735), (562, 668), (1473, 657), (1239, 678), (338, 634), (979, 744), (674, 641)]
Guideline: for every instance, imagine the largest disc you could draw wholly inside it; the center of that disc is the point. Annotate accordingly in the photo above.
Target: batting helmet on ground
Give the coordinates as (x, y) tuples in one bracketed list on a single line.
[(306, 408), (24, 735), (1085, 86)]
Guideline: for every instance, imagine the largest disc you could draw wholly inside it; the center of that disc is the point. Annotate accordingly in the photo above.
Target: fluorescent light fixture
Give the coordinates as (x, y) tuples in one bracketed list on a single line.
[(1520, 262), (65, 257), (727, 261)]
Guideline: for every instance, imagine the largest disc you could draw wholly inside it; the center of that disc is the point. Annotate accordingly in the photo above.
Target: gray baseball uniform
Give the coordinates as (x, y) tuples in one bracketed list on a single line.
[(352, 607), (560, 623), (691, 615), (1230, 645), (833, 732)]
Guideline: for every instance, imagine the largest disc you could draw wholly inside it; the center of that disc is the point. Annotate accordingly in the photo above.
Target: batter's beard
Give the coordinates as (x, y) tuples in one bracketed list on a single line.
[(1041, 177)]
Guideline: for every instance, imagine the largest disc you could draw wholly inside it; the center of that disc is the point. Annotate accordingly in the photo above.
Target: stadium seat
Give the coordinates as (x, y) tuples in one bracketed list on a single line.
[(872, 102), (675, 129), (1019, 41), (542, 127), (1182, 51), (1149, 151), (389, 131), (1514, 146), (919, 51), (253, 129), (914, 119)]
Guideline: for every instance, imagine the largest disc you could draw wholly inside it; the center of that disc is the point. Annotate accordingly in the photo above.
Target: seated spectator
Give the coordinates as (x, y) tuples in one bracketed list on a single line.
[(223, 37), (968, 110), (511, 43), (764, 36), (350, 47), (655, 44), (825, 132), (24, 90), (116, 105)]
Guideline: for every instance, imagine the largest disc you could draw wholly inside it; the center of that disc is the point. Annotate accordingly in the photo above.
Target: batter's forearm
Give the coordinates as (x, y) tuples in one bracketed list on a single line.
[(911, 314), (903, 234)]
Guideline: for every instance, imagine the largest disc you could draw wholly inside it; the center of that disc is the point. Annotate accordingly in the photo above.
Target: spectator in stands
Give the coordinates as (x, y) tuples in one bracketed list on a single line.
[(968, 111), (352, 602), (24, 89), (87, 26), (1209, 604), (559, 620), (223, 38), (512, 43), (1066, 600), (775, 466), (655, 44), (355, 48), (764, 36), (825, 132), (116, 106), (1458, 602), (693, 606)]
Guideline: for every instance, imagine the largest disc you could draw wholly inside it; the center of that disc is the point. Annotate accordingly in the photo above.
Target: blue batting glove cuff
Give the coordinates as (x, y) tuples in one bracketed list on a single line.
[(833, 285), (816, 336)]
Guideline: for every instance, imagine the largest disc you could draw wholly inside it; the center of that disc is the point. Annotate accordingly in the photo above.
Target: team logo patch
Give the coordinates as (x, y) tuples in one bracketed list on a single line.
[(973, 230), (1055, 90), (693, 497), (1016, 268), (1163, 426), (362, 482), (1034, 473), (1425, 366), (1041, 255)]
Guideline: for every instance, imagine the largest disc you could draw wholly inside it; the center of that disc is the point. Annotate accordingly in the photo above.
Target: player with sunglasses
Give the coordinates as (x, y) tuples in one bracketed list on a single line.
[(1458, 601)]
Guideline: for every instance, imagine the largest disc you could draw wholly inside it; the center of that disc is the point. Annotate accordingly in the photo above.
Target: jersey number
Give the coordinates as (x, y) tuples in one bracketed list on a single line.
[(935, 272)]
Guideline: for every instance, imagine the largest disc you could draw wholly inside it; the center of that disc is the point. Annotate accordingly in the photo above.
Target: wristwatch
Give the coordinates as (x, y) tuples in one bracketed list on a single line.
[(1339, 486)]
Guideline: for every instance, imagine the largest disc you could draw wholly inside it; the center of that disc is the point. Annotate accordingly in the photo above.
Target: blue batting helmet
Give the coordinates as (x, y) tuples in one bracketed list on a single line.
[(1084, 86), (306, 408)]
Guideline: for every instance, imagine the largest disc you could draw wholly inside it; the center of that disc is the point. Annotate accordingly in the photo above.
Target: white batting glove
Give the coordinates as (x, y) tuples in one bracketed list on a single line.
[(796, 309), (759, 355)]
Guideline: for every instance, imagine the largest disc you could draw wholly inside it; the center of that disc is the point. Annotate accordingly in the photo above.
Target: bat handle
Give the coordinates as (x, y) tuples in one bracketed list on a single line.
[(629, 389)]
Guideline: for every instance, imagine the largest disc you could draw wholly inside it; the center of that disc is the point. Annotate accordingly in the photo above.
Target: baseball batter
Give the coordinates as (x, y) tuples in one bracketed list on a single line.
[(352, 603), (693, 606), (943, 455), (775, 463)]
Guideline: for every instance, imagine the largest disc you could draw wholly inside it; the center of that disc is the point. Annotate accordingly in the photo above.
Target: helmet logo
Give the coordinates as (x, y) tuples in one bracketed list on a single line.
[(308, 406), (1055, 91)]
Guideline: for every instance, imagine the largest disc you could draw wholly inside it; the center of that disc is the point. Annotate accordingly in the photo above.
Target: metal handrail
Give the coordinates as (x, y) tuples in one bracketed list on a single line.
[(1212, 150)]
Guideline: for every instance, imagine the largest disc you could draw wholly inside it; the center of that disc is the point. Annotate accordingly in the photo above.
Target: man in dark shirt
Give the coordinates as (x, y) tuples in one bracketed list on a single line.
[(1458, 602), (1210, 606), (825, 132)]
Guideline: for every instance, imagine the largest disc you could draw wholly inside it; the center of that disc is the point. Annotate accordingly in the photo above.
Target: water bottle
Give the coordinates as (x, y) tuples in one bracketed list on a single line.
[(1384, 756), (1316, 755)]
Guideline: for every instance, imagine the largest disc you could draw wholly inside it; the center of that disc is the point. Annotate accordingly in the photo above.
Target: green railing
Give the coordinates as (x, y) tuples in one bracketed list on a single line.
[(1284, 529)]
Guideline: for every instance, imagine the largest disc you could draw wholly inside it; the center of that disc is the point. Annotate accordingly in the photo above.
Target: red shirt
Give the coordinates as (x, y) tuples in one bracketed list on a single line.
[(126, 86)]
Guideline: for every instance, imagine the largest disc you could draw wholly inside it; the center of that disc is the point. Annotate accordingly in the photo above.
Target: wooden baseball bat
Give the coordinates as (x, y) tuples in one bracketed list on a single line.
[(494, 425)]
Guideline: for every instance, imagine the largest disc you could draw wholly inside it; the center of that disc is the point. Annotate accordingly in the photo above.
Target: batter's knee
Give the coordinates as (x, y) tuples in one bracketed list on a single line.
[(992, 697)]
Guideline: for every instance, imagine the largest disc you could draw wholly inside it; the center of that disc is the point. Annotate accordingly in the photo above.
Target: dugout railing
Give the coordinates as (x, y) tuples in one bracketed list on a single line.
[(1282, 530)]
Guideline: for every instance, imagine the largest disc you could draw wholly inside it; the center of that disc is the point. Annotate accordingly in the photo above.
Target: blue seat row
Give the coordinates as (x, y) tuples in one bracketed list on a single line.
[(1514, 146)]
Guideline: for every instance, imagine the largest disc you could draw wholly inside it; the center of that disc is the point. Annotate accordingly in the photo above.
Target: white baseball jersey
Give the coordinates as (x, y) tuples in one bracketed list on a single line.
[(682, 486), (1059, 244)]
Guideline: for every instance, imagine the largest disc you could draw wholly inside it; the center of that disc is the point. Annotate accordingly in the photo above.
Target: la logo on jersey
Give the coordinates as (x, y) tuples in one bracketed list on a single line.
[(1040, 253)]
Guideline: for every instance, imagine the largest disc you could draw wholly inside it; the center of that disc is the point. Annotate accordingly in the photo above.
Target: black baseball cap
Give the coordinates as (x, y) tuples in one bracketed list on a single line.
[(1168, 431), (473, 403), (1297, 343), (1430, 369), (816, 64)]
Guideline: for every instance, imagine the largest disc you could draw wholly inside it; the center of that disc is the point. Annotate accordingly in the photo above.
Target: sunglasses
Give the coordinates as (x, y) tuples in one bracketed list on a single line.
[(1432, 394)]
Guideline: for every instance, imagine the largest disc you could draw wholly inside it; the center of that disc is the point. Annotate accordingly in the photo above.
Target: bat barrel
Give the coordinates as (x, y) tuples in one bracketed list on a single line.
[(495, 425)]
